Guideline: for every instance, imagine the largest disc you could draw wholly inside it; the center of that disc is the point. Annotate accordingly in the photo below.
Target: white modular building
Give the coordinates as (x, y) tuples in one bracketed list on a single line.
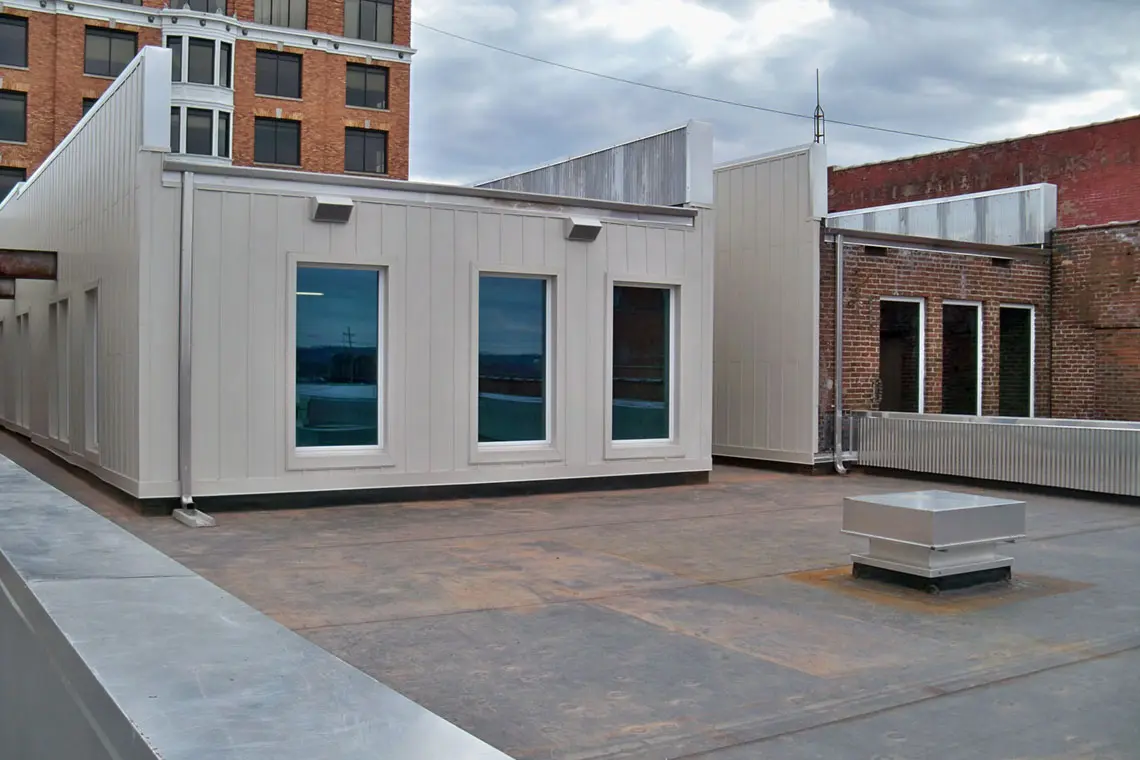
[(214, 330)]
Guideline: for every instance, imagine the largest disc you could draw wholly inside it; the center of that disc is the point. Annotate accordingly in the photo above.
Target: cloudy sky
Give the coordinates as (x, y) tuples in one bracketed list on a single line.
[(973, 70)]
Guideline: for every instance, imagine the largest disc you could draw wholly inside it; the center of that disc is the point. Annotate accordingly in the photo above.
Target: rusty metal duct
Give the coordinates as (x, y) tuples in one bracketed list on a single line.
[(7, 288), (27, 265)]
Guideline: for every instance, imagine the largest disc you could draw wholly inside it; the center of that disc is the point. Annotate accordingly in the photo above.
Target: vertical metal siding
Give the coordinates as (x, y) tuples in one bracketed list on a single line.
[(1100, 457), (766, 337)]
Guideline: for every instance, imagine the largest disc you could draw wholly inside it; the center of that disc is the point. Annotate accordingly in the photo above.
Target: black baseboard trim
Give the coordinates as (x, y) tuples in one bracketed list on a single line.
[(767, 464)]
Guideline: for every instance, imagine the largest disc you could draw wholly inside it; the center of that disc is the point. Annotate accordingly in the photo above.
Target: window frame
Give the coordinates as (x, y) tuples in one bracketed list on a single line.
[(16, 21), (277, 55), (359, 4), (367, 69), (921, 301), (1032, 309), (111, 35), (520, 452), (337, 457), (23, 98), (365, 133), (981, 380), (3, 172), (215, 143), (304, 21), (300, 156), (87, 105), (223, 65), (672, 447)]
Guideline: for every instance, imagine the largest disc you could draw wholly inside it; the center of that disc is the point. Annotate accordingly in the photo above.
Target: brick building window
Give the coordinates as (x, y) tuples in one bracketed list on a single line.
[(291, 13), (278, 74), (276, 141), (366, 86), (88, 103), (961, 358), (10, 176), (368, 20), (108, 51), (902, 356), (1016, 361), (365, 150), (13, 116), (176, 130), (13, 41), (200, 60), (202, 6), (200, 132)]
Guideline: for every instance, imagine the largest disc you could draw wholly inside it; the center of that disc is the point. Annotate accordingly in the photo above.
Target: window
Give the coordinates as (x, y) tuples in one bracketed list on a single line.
[(200, 61), (642, 363), (91, 370), (961, 358), (280, 13), (10, 177), (175, 45), (13, 116), (513, 359), (368, 20), (225, 63), (365, 150), (902, 357), (276, 141), (205, 61), (59, 327), (176, 130), (278, 74), (88, 103), (199, 132), (366, 86), (13, 41), (108, 51), (223, 134), (338, 357), (1016, 363), (202, 6)]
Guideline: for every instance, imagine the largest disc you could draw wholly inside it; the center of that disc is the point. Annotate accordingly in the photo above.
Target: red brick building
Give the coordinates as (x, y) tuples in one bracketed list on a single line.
[(1085, 301), (322, 85)]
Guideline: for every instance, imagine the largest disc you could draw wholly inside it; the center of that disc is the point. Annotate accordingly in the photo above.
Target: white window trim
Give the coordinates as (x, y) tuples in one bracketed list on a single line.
[(185, 55), (979, 307), (549, 450), (182, 108), (921, 343), (653, 448), (1032, 351), (337, 457)]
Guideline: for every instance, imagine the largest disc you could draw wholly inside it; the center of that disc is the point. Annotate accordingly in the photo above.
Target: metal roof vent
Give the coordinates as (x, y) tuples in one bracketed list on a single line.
[(328, 209), (582, 230)]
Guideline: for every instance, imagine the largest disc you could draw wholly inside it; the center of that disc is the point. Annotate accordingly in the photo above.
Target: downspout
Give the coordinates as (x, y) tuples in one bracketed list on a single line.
[(187, 513), (839, 354)]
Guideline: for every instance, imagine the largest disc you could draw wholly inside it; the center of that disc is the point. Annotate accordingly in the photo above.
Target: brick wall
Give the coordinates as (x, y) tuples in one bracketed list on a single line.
[(935, 277), (1096, 169), (1097, 322)]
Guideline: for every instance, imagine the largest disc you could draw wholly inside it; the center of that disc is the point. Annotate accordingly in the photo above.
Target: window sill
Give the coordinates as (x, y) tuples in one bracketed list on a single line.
[(370, 109), (368, 174), (101, 76), (339, 459), (278, 97), (10, 67), (520, 454), (293, 167), (13, 142), (620, 450)]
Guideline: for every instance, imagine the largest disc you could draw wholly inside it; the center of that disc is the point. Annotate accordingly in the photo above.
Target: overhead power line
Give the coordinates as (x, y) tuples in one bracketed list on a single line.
[(672, 91)]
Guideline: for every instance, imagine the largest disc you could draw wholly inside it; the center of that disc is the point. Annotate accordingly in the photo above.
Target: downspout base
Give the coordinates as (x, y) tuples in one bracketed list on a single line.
[(192, 517)]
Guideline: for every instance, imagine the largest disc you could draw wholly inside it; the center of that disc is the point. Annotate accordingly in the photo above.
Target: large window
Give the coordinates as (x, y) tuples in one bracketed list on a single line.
[(280, 13), (204, 61), (108, 51), (199, 131), (1016, 365), (277, 141), (366, 86), (13, 116), (365, 150), (13, 41), (368, 20), (642, 363), (10, 176), (513, 359), (278, 74), (338, 357), (901, 354), (961, 358)]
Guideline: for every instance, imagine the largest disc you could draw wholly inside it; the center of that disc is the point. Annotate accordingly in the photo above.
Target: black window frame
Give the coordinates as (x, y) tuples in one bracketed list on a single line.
[(365, 135), (369, 73), (361, 17), (22, 98), (9, 173), (88, 104), (16, 22), (176, 129), (279, 127), (277, 58), (112, 35)]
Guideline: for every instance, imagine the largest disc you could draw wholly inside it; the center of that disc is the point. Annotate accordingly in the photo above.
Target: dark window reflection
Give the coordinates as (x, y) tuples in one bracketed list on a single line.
[(641, 364), (512, 359), (1015, 363), (960, 359), (337, 339)]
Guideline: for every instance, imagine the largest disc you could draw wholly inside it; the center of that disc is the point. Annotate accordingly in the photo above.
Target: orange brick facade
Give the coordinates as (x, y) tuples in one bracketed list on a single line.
[(56, 85)]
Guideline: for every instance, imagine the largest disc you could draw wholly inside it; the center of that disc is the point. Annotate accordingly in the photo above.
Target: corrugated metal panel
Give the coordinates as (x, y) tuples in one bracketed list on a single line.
[(1012, 216), (1100, 457), (83, 204), (766, 339), (664, 169)]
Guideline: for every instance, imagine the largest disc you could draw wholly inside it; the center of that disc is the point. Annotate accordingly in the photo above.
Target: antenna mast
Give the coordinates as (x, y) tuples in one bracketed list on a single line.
[(820, 121)]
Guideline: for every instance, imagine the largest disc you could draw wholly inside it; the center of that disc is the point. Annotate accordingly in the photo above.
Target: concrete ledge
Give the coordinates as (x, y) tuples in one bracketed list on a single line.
[(113, 650)]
